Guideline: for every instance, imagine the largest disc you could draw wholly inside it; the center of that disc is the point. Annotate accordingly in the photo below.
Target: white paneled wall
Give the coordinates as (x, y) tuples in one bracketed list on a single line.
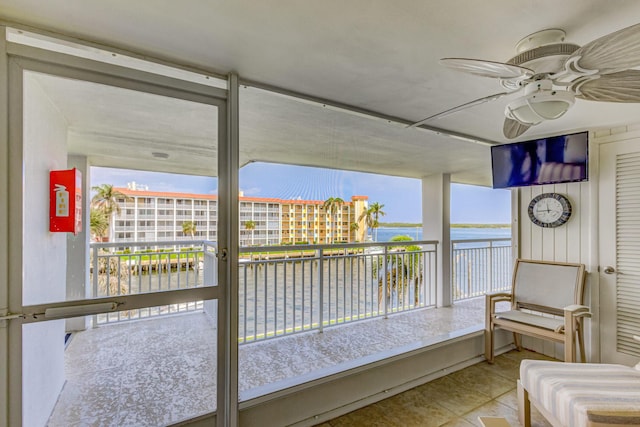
[(567, 243), (576, 241)]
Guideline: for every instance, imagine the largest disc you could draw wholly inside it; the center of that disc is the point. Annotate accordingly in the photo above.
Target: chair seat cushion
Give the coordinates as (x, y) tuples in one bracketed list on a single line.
[(569, 391), (550, 323)]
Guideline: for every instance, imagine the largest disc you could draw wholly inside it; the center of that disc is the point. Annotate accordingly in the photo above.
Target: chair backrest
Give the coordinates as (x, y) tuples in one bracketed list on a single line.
[(547, 286)]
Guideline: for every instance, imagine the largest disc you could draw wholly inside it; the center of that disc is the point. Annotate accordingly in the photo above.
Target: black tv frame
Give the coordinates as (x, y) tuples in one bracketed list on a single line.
[(557, 169)]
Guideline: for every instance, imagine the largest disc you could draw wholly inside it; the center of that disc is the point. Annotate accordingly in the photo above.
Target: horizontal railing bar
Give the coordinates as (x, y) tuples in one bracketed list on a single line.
[(498, 239), (297, 248), (158, 243)]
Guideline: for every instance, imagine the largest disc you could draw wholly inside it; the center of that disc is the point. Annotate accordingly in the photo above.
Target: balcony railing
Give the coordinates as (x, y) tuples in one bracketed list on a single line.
[(479, 266), (140, 267), (289, 289), (285, 290)]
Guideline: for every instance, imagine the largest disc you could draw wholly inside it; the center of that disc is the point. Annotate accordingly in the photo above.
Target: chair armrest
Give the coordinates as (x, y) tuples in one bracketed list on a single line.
[(498, 296), (490, 305), (576, 310), (572, 314), (494, 297)]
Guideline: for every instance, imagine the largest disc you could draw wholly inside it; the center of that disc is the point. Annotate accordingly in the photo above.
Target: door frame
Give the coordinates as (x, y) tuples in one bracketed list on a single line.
[(607, 319), (17, 58)]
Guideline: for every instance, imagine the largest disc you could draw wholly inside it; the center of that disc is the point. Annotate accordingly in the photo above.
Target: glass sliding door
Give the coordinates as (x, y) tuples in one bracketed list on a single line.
[(118, 317)]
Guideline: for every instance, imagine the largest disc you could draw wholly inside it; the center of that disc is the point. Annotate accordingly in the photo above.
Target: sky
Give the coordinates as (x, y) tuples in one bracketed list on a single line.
[(401, 197)]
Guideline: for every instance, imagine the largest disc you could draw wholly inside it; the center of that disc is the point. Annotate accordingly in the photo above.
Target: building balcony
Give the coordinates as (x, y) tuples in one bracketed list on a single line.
[(157, 366), (162, 370)]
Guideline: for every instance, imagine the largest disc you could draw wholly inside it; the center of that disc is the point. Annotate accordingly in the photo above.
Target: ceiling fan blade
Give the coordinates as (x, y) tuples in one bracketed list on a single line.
[(482, 68), (513, 128), (460, 107), (615, 87), (611, 53)]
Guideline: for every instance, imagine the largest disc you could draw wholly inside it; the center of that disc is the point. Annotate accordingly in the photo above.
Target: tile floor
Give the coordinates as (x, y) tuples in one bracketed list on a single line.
[(161, 371), (456, 400)]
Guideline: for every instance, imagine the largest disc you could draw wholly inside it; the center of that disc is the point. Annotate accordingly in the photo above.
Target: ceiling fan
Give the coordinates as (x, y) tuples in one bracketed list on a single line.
[(550, 74)]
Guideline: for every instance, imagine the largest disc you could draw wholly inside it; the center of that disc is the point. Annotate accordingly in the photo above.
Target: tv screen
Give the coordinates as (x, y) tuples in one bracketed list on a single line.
[(549, 160)]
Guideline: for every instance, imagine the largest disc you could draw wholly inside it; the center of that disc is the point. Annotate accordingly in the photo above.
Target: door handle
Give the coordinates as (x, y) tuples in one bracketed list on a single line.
[(609, 270)]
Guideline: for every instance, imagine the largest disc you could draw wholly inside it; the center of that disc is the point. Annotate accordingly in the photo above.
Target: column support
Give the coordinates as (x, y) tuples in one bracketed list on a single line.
[(436, 225)]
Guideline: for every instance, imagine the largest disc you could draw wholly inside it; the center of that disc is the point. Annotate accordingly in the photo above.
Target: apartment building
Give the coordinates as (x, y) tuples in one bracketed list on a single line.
[(155, 216)]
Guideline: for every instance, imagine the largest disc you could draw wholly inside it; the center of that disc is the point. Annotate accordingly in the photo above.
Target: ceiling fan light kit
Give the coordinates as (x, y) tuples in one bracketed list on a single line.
[(551, 73), (539, 103)]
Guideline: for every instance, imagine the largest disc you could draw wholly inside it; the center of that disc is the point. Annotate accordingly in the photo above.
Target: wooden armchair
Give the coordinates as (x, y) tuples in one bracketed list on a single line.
[(546, 302)]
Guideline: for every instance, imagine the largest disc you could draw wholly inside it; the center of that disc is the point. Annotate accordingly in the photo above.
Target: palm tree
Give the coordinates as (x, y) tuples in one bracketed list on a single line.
[(106, 201), (249, 225), (372, 216), (332, 205), (402, 269), (98, 224), (189, 227), (354, 227)]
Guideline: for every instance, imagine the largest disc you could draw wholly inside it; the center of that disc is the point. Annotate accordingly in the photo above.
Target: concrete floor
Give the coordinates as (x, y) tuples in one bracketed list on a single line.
[(456, 400), (161, 371)]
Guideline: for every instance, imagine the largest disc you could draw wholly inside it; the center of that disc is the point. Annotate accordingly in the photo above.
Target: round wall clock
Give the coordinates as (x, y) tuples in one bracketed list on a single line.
[(549, 210)]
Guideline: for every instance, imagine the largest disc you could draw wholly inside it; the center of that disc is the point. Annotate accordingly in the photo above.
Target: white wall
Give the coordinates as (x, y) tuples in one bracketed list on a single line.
[(576, 241), (567, 243), (44, 254)]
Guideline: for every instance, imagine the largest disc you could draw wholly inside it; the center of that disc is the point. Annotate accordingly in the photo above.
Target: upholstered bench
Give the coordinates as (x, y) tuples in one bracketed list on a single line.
[(579, 394)]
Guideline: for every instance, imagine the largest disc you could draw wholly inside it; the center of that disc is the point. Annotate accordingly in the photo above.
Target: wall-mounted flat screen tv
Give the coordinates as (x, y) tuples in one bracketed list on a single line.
[(549, 160)]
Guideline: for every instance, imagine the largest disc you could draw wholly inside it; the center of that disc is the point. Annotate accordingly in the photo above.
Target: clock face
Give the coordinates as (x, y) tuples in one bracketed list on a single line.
[(549, 210)]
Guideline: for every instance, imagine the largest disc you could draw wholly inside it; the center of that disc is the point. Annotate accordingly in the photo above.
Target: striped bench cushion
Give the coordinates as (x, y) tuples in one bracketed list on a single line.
[(570, 391)]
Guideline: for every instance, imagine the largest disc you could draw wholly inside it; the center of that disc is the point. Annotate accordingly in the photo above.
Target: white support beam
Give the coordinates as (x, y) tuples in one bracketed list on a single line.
[(78, 286), (4, 230), (436, 225)]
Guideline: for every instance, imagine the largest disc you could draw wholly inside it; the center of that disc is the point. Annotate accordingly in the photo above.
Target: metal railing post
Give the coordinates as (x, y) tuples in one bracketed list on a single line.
[(95, 272), (490, 268), (453, 265), (386, 281), (96, 251), (320, 255)]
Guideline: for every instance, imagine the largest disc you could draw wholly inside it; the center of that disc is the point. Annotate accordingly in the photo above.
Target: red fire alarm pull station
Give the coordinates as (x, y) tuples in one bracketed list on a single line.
[(65, 206)]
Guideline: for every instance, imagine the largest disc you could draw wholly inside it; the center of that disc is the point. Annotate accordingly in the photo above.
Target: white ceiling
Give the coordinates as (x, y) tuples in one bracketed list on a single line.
[(380, 56)]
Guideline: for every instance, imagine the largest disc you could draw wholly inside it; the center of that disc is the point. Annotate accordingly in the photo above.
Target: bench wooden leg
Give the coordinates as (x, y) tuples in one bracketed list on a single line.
[(516, 341), (488, 344), (570, 345), (524, 406), (583, 355)]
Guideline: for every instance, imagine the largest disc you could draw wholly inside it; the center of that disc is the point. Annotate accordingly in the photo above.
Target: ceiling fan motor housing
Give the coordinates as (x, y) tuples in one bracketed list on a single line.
[(545, 53), (540, 102)]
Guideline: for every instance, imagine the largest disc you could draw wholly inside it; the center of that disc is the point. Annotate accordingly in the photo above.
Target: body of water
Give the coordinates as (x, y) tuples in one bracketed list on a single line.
[(385, 234)]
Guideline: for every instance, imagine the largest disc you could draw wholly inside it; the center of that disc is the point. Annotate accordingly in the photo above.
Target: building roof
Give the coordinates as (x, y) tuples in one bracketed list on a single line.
[(196, 196)]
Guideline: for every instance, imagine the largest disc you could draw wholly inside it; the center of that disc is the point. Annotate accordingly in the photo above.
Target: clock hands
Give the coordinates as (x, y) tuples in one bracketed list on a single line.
[(546, 210)]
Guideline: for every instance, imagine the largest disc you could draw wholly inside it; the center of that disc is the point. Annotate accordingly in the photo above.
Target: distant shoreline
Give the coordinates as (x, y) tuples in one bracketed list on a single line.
[(415, 225)]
